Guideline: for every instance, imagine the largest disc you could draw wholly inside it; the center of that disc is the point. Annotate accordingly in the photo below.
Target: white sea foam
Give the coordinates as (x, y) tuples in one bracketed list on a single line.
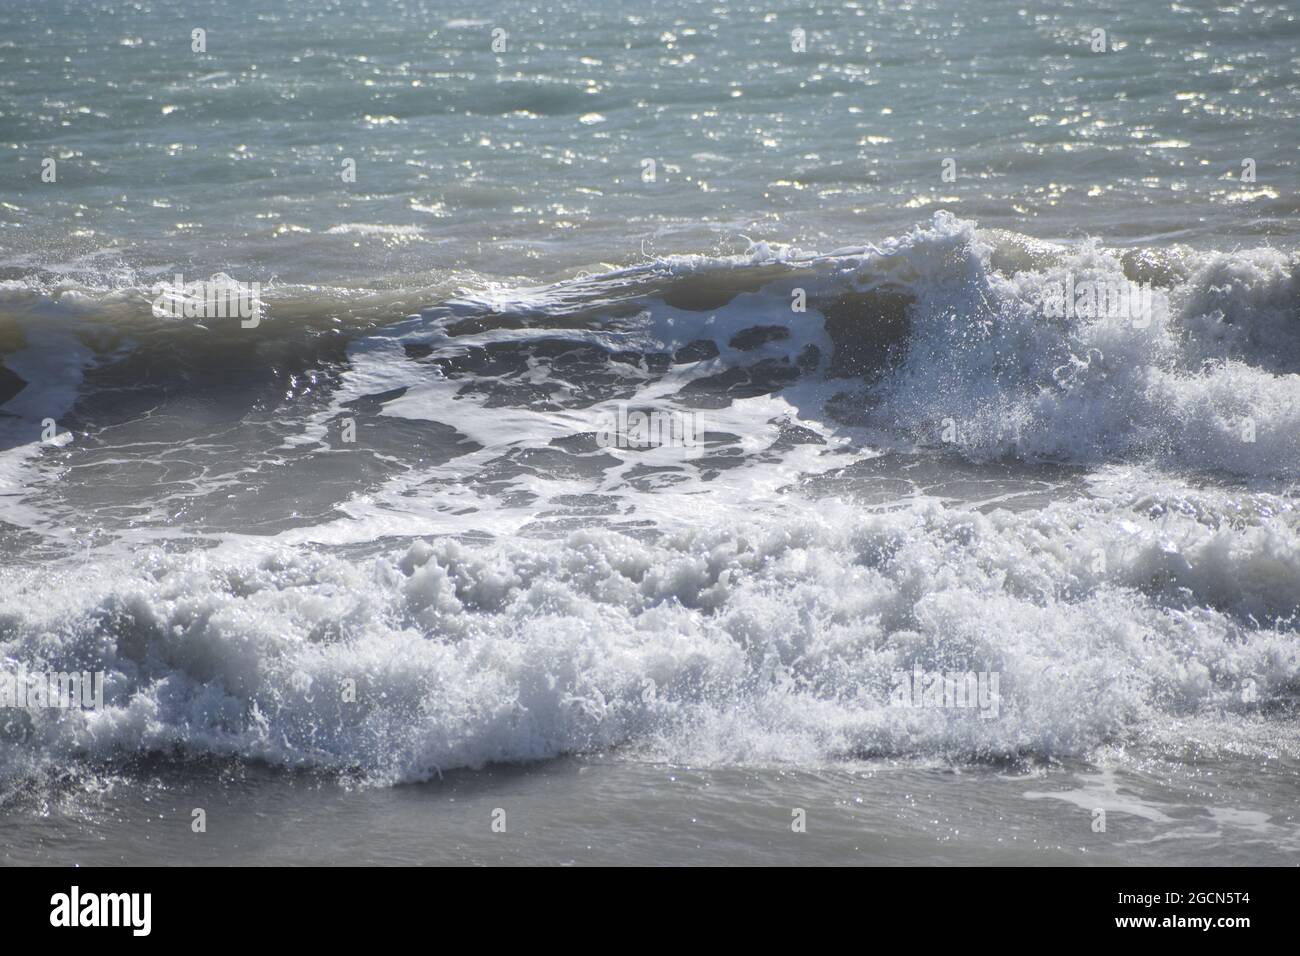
[(769, 641), (726, 609), (1210, 380)]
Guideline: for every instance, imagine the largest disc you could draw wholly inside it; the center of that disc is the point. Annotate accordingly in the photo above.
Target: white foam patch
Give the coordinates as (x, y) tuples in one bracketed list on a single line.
[(746, 624), (772, 641)]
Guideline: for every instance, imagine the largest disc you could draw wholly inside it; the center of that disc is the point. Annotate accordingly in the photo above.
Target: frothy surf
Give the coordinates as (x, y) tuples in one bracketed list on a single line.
[(957, 450)]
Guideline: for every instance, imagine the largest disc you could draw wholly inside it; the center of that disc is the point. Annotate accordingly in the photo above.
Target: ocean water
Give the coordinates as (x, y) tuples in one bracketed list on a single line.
[(615, 403)]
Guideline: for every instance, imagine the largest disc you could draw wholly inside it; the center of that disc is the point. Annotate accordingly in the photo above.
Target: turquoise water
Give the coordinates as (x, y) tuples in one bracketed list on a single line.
[(528, 162)]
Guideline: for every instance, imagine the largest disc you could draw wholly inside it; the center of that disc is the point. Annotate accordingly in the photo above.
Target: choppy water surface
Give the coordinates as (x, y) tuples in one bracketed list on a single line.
[(398, 478)]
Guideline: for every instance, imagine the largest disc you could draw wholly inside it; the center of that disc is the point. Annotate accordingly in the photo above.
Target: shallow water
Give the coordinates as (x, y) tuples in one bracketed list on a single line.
[(607, 811), (391, 552)]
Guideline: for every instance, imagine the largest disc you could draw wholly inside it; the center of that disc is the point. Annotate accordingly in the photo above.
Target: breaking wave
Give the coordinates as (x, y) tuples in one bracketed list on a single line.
[(911, 456)]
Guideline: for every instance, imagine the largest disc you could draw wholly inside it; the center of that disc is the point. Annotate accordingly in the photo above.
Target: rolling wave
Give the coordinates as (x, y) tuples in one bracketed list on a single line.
[(956, 449)]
